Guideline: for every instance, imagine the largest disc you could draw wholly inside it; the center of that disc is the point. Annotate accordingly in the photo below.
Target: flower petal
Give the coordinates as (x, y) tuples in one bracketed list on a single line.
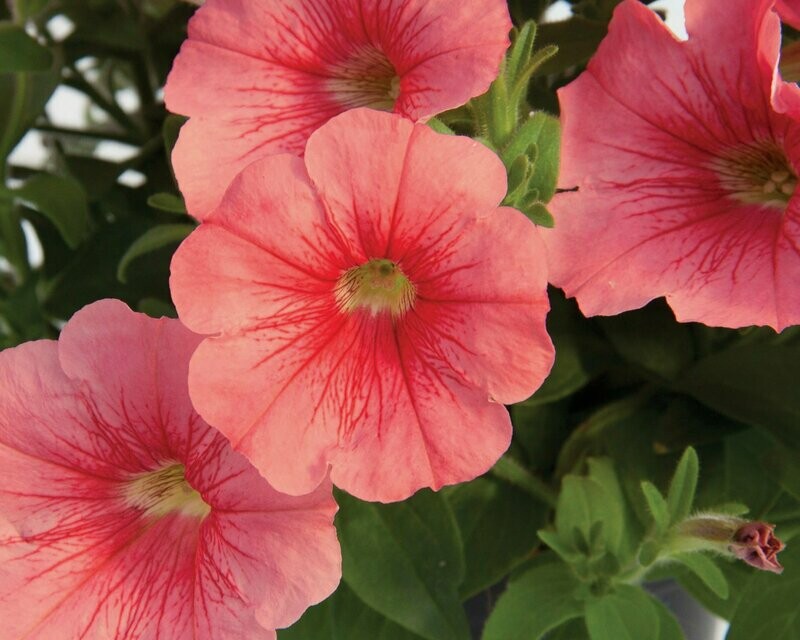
[(258, 77), (650, 216)]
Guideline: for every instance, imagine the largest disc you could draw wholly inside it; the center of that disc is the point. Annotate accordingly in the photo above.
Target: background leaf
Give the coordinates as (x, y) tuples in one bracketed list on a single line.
[(62, 201), (20, 52), (540, 599), (405, 560)]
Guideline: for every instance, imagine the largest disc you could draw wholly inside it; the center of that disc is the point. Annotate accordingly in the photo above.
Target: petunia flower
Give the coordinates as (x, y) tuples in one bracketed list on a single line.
[(789, 11), (124, 516), (257, 77), (685, 172), (369, 308)]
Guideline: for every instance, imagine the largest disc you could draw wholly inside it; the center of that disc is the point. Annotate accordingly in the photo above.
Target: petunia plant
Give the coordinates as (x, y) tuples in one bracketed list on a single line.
[(399, 320)]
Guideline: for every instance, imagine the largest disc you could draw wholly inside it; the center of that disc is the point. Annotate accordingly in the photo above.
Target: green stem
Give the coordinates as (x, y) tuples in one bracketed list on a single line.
[(77, 81), (513, 472), (87, 133)]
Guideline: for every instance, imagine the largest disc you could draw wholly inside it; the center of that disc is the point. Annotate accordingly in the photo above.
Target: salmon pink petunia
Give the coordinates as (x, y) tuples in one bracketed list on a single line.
[(685, 171), (258, 77), (371, 306), (124, 516)]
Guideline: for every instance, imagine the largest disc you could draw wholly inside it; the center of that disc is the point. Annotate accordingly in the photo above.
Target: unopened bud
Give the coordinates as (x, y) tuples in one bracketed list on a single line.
[(756, 544), (753, 542)]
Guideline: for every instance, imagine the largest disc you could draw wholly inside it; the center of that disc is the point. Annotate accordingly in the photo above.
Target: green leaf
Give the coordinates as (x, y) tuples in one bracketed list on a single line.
[(542, 132), (171, 129), (767, 607), (707, 570), (657, 505), (13, 246), (498, 525), (440, 127), (652, 339), (577, 39), (90, 273), (581, 353), (153, 239), (405, 560), (62, 200), (24, 96), (343, 616), (753, 383), (627, 613), (20, 52), (541, 599), (683, 486), (538, 214), (167, 202)]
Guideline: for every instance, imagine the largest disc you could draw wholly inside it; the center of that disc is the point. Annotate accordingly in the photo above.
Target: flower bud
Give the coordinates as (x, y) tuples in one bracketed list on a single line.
[(753, 542), (756, 544)]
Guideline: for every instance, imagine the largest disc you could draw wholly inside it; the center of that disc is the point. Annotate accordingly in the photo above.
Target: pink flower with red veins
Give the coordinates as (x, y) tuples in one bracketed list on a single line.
[(371, 308), (686, 174), (123, 515), (257, 77)]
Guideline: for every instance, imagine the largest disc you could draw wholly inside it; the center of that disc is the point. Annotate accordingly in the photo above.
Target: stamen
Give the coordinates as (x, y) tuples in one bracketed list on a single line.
[(367, 79), (757, 174), (164, 491), (378, 286)]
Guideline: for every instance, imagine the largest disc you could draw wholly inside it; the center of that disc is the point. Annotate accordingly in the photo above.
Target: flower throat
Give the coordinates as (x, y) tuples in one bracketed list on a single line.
[(165, 491), (379, 286)]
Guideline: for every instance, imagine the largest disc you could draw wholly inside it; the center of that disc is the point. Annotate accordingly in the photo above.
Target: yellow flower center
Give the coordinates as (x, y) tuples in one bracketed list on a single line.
[(366, 79), (159, 493), (378, 286), (758, 174)]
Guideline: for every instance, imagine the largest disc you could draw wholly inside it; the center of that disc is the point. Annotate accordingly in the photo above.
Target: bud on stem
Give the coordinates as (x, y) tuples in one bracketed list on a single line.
[(753, 542)]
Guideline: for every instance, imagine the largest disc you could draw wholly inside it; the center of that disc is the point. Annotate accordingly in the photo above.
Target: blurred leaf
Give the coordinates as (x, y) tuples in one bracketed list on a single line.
[(170, 130), (405, 560), (155, 238), (498, 525), (668, 627), (97, 176), (29, 8), (23, 315), (577, 39), (651, 338), (627, 613), (686, 422), (767, 606), (784, 467), (574, 629), (658, 506), (344, 617), (156, 308), (91, 273), (24, 96), (540, 430), (167, 202), (680, 496), (101, 28), (707, 570), (20, 52), (13, 246), (535, 602), (753, 383), (62, 200), (580, 353)]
